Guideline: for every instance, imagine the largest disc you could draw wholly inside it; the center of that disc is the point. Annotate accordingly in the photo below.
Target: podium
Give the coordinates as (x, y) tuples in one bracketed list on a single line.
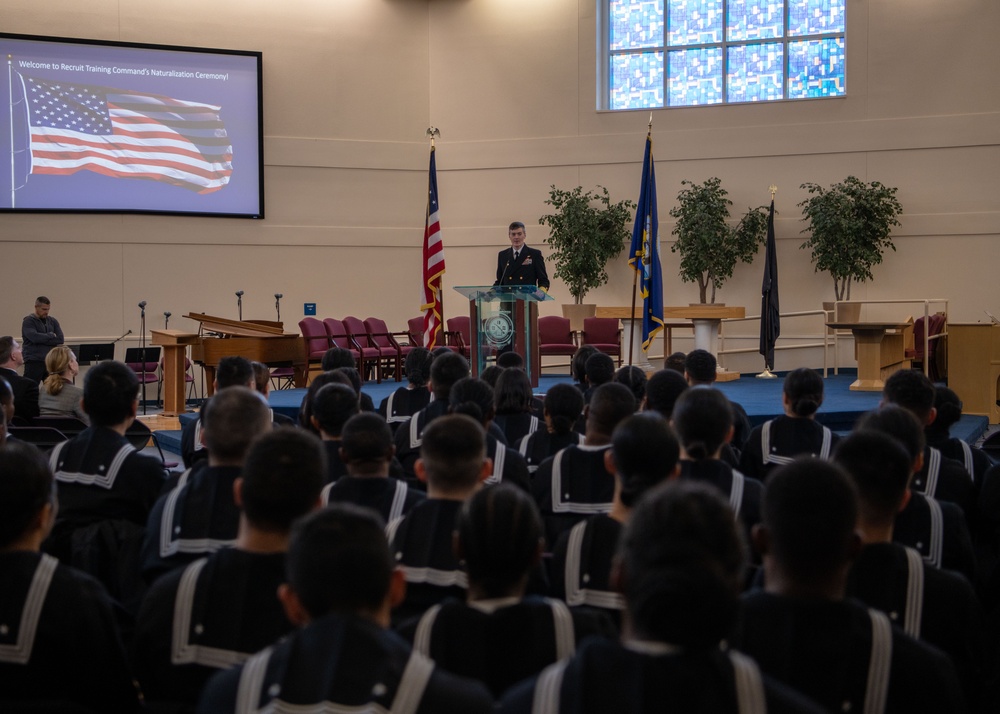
[(868, 338), (503, 318), (175, 344)]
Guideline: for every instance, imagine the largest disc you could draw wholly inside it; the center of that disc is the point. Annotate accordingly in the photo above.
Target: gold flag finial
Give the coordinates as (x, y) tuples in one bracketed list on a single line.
[(773, 189), (433, 131)]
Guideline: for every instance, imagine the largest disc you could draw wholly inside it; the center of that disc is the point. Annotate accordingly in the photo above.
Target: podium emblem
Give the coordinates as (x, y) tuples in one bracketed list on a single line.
[(499, 329)]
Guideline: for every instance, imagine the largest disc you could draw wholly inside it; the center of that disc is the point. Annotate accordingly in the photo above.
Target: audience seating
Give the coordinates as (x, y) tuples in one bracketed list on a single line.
[(44, 437), (68, 426), (605, 334)]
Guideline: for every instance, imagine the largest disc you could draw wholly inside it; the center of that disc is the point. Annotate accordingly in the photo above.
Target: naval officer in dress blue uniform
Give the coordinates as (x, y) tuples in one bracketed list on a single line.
[(519, 264)]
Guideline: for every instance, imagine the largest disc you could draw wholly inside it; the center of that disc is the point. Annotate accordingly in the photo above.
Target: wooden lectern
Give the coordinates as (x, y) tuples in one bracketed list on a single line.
[(174, 344)]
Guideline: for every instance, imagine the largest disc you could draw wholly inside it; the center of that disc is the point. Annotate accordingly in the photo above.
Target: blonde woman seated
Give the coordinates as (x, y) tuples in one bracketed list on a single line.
[(57, 395)]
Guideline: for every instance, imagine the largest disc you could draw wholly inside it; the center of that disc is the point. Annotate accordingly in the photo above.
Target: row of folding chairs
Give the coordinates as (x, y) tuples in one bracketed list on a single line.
[(47, 431)]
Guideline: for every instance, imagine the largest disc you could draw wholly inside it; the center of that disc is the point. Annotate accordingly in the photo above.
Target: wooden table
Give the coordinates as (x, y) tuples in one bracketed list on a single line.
[(868, 338)]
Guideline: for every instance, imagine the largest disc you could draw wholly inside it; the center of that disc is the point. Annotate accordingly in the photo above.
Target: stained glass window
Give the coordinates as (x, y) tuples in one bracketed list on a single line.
[(667, 53)]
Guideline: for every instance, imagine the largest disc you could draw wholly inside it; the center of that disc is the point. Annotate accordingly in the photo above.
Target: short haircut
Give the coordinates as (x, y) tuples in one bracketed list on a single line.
[(683, 557), (701, 366), (512, 394), (446, 369), (339, 561), (702, 418), (366, 442), (949, 410), (231, 420), (633, 378), (563, 406), (234, 371), (499, 531), (910, 389), (261, 376), (810, 509), (491, 374), (26, 486), (578, 366), (510, 360), (353, 376), (284, 472), (609, 404), (333, 405), (453, 451), (804, 389), (417, 366), (600, 369), (645, 452), (472, 397), (516, 224), (319, 381), (880, 469), (42, 300), (6, 348), (663, 389), (109, 392), (337, 357), (899, 423), (675, 362)]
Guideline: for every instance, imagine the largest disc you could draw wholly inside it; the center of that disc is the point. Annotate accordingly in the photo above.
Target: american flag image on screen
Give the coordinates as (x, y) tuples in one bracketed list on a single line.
[(125, 134)]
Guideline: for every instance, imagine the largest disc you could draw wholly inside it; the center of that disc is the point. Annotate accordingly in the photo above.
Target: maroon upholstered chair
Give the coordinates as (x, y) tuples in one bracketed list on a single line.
[(339, 338), (605, 334), (392, 353), (555, 336), (316, 339), (145, 362), (415, 331), (935, 325), (459, 334), (371, 356)]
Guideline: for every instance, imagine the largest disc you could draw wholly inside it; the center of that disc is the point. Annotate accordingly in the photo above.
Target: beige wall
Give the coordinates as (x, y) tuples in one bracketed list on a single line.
[(351, 85)]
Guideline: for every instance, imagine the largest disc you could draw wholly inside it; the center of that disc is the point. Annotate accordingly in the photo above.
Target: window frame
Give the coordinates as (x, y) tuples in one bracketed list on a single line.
[(605, 54)]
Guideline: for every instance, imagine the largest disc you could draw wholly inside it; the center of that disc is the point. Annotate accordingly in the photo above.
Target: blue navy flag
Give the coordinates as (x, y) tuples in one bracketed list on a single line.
[(770, 314), (126, 134), (644, 255)]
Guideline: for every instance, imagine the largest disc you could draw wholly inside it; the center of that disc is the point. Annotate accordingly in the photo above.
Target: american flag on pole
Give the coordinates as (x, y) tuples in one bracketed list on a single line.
[(433, 306), (125, 134)]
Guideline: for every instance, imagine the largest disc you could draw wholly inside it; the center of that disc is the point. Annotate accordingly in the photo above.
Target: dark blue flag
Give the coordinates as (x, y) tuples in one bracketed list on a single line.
[(644, 255), (770, 314)]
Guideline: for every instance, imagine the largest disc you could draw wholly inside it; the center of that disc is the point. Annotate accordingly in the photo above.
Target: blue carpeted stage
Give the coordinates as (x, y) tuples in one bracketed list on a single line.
[(760, 397)]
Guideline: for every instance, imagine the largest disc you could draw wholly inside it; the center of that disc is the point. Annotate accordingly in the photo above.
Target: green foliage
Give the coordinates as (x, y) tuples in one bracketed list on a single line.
[(849, 226), (709, 246), (585, 232)]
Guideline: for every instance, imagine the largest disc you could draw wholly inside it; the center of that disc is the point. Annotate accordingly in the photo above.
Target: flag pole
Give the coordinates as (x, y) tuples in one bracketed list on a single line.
[(635, 273), (767, 373), (433, 131)]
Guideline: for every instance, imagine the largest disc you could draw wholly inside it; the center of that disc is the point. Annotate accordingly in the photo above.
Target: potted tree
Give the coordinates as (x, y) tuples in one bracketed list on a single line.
[(586, 230), (709, 246), (848, 226)]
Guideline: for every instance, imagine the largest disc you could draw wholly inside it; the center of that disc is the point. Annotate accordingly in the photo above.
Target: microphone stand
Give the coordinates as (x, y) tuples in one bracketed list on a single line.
[(239, 304), (277, 304), (142, 351), (166, 320)]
